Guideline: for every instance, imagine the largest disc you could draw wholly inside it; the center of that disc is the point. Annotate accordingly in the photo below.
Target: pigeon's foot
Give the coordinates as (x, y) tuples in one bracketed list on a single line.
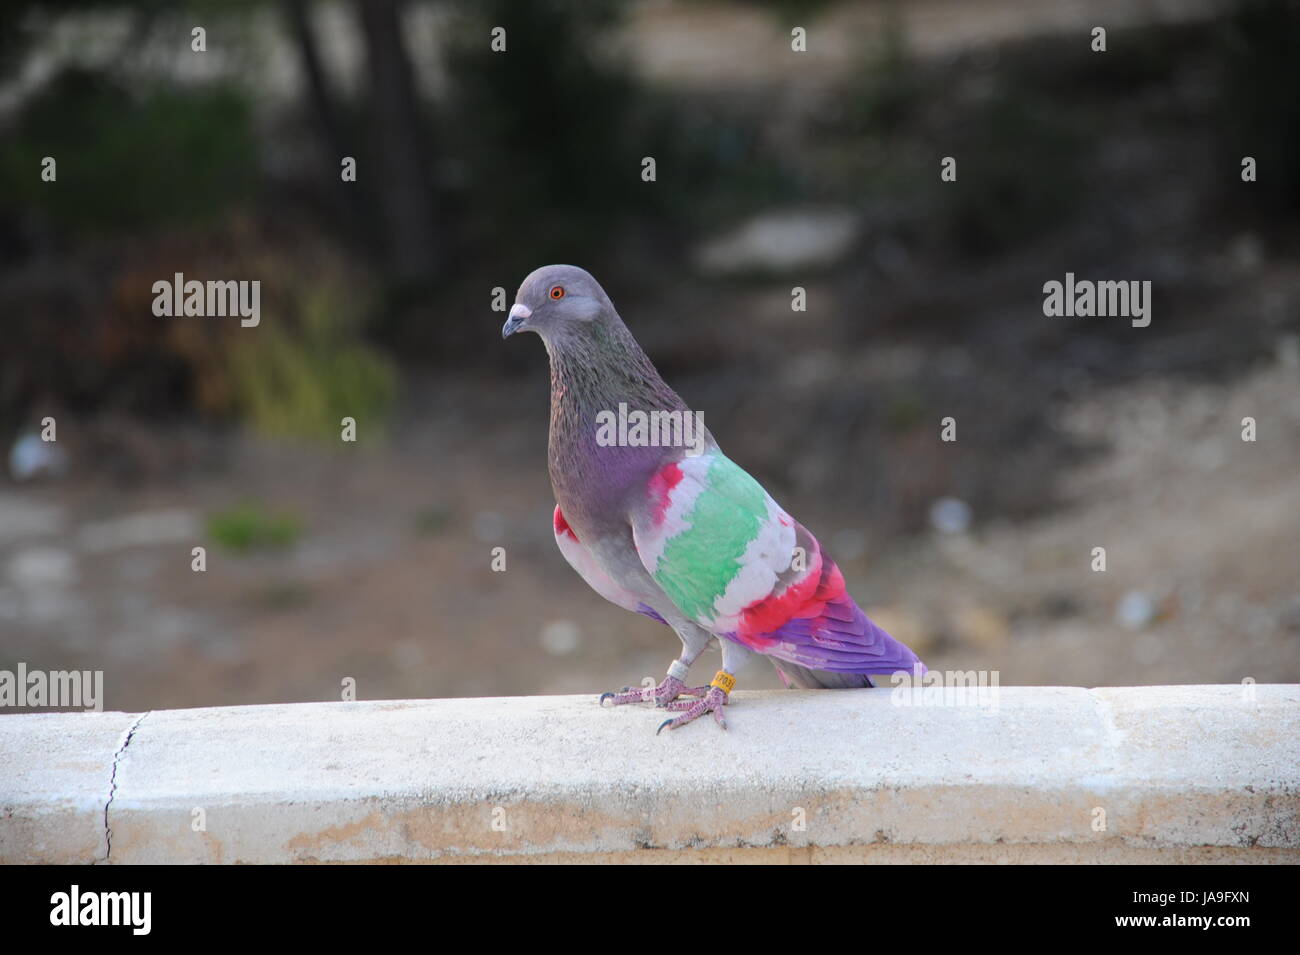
[(714, 701), (663, 694)]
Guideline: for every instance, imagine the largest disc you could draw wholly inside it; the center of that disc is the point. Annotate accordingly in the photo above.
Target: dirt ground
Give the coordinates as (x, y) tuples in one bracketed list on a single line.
[(391, 583)]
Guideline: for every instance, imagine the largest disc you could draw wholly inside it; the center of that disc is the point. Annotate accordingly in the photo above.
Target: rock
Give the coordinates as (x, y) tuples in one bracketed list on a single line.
[(43, 568), (949, 515), (1135, 610), (781, 242), (140, 530), (30, 458), (560, 638), (22, 518)]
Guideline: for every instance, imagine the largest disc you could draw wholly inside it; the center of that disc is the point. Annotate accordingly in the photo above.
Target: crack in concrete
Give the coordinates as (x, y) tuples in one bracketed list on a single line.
[(112, 783), (1106, 714)]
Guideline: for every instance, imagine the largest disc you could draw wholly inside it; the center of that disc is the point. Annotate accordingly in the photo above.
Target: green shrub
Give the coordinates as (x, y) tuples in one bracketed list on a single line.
[(301, 378), (171, 156), (249, 527)]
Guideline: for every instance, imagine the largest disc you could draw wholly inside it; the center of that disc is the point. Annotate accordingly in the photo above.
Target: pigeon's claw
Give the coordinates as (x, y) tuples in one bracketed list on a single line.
[(714, 702), (663, 694)]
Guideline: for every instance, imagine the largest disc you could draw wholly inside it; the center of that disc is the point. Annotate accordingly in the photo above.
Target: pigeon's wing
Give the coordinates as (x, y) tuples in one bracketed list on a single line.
[(582, 560), (733, 561)]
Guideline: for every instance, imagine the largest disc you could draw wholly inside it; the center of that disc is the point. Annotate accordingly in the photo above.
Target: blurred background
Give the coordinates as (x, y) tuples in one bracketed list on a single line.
[(818, 169)]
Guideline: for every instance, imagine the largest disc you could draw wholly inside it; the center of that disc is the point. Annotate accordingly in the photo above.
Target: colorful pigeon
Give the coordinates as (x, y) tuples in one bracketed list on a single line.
[(659, 521)]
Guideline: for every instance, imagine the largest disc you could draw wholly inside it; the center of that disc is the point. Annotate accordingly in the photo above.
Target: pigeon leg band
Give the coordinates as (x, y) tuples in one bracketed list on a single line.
[(724, 681), (679, 670)]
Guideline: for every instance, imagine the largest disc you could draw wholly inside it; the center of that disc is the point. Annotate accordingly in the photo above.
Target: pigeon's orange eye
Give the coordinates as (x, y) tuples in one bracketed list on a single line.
[(557, 292)]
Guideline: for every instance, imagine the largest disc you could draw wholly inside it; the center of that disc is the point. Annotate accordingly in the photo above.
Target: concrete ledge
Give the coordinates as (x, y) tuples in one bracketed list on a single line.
[(1052, 774)]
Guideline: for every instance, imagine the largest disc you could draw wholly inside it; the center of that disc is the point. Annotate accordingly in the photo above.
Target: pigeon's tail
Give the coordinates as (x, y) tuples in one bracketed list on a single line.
[(833, 645), (793, 675)]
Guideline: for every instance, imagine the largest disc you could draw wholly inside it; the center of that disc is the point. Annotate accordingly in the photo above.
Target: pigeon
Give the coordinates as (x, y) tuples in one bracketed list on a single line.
[(658, 520)]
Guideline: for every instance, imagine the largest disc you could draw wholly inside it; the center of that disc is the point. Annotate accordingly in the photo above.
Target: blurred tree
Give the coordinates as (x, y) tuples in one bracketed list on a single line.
[(1260, 102), (406, 198), (324, 105), (548, 130)]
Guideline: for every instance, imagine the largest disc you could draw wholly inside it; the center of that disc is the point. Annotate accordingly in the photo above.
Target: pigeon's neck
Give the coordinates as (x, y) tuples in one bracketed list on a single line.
[(598, 371)]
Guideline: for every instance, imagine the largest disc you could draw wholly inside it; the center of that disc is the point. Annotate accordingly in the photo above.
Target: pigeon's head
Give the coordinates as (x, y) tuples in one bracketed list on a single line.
[(556, 301)]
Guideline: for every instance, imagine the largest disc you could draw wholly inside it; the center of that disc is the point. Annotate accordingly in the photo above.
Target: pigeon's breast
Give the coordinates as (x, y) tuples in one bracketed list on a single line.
[(594, 483)]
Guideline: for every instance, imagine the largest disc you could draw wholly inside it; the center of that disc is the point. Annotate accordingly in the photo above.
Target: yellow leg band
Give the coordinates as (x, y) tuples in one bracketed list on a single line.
[(724, 681)]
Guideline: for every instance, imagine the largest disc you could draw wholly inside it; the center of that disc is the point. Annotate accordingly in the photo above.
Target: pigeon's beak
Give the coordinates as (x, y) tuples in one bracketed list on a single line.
[(516, 320)]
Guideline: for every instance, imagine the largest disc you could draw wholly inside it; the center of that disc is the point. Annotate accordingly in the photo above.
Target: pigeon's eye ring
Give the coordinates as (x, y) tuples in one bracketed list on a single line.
[(557, 292)]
